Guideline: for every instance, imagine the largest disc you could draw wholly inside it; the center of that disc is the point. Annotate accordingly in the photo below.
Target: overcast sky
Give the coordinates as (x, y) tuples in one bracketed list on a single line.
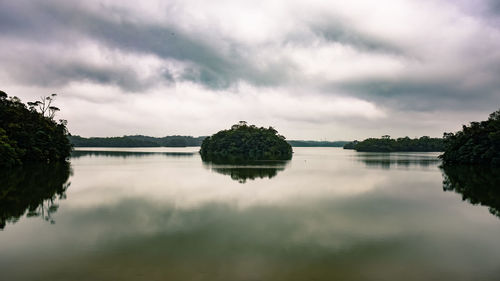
[(334, 70)]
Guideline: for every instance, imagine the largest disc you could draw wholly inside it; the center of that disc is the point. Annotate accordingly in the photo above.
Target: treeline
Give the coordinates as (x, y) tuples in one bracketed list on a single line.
[(28, 133), (478, 143), (136, 141), (386, 144), (303, 143), (173, 141)]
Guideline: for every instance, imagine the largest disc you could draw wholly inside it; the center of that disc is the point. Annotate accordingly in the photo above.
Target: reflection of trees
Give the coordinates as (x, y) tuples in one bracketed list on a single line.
[(32, 190), (126, 154), (242, 174), (477, 184), (388, 160), (242, 171)]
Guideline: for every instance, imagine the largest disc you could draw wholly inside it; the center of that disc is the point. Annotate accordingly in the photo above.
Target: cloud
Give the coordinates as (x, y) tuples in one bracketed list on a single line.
[(326, 64)]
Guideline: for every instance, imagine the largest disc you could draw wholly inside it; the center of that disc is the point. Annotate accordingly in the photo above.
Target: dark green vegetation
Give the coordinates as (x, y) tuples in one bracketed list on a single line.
[(303, 143), (33, 190), (173, 141), (478, 184), (136, 141), (386, 144), (29, 133), (245, 143), (478, 143), (350, 145)]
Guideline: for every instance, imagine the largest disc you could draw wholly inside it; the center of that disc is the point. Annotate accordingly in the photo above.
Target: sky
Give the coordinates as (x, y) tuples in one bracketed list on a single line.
[(323, 70)]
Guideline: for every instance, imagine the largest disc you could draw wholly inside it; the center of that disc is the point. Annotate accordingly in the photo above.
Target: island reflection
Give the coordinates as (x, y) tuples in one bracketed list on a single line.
[(477, 185), (32, 190), (126, 154), (396, 160), (242, 171)]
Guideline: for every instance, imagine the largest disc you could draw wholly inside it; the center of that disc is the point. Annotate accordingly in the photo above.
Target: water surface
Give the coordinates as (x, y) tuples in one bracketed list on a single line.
[(328, 214)]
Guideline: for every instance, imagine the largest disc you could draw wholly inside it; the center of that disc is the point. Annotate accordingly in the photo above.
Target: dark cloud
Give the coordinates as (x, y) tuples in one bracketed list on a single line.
[(401, 65), (338, 32), (418, 95), (52, 71), (54, 21), (494, 7)]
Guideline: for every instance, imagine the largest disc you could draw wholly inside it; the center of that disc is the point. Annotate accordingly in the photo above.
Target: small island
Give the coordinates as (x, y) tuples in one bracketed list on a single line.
[(478, 143), (245, 143)]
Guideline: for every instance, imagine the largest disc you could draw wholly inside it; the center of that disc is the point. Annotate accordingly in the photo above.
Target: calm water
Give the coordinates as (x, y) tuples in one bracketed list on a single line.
[(328, 214)]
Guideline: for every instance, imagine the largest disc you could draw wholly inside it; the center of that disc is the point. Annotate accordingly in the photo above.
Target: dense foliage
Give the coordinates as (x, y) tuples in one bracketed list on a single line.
[(32, 190), (124, 141), (478, 143), (173, 141), (244, 143), (303, 143), (136, 141), (350, 145), (386, 144), (30, 134), (478, 184)]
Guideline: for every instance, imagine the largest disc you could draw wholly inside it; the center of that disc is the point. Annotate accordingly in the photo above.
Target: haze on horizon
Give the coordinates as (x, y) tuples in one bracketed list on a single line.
[(312, 69)]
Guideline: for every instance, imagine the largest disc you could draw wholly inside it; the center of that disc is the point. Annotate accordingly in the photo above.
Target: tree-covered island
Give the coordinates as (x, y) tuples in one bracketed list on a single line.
[(478, 143), (29, 133), (245, 143)]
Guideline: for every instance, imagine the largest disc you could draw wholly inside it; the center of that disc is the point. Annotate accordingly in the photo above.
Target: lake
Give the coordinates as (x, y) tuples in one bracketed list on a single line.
[(328, 214)]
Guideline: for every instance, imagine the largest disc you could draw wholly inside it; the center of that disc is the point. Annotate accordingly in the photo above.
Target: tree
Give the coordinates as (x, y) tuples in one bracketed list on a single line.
[(30, 134), (44, 106), (478, 143)]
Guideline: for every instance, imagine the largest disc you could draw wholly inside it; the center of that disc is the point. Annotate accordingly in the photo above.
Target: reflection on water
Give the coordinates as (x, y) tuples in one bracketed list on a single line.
[(126, 154), (243, 171), (33, 190), (477, 184), (322, 216), (397, 160)]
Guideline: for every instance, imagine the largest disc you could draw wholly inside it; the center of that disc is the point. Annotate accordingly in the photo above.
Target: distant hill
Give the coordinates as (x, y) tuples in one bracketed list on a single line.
[(174, 141), (309, 143), (136, 141), (406, 144)]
